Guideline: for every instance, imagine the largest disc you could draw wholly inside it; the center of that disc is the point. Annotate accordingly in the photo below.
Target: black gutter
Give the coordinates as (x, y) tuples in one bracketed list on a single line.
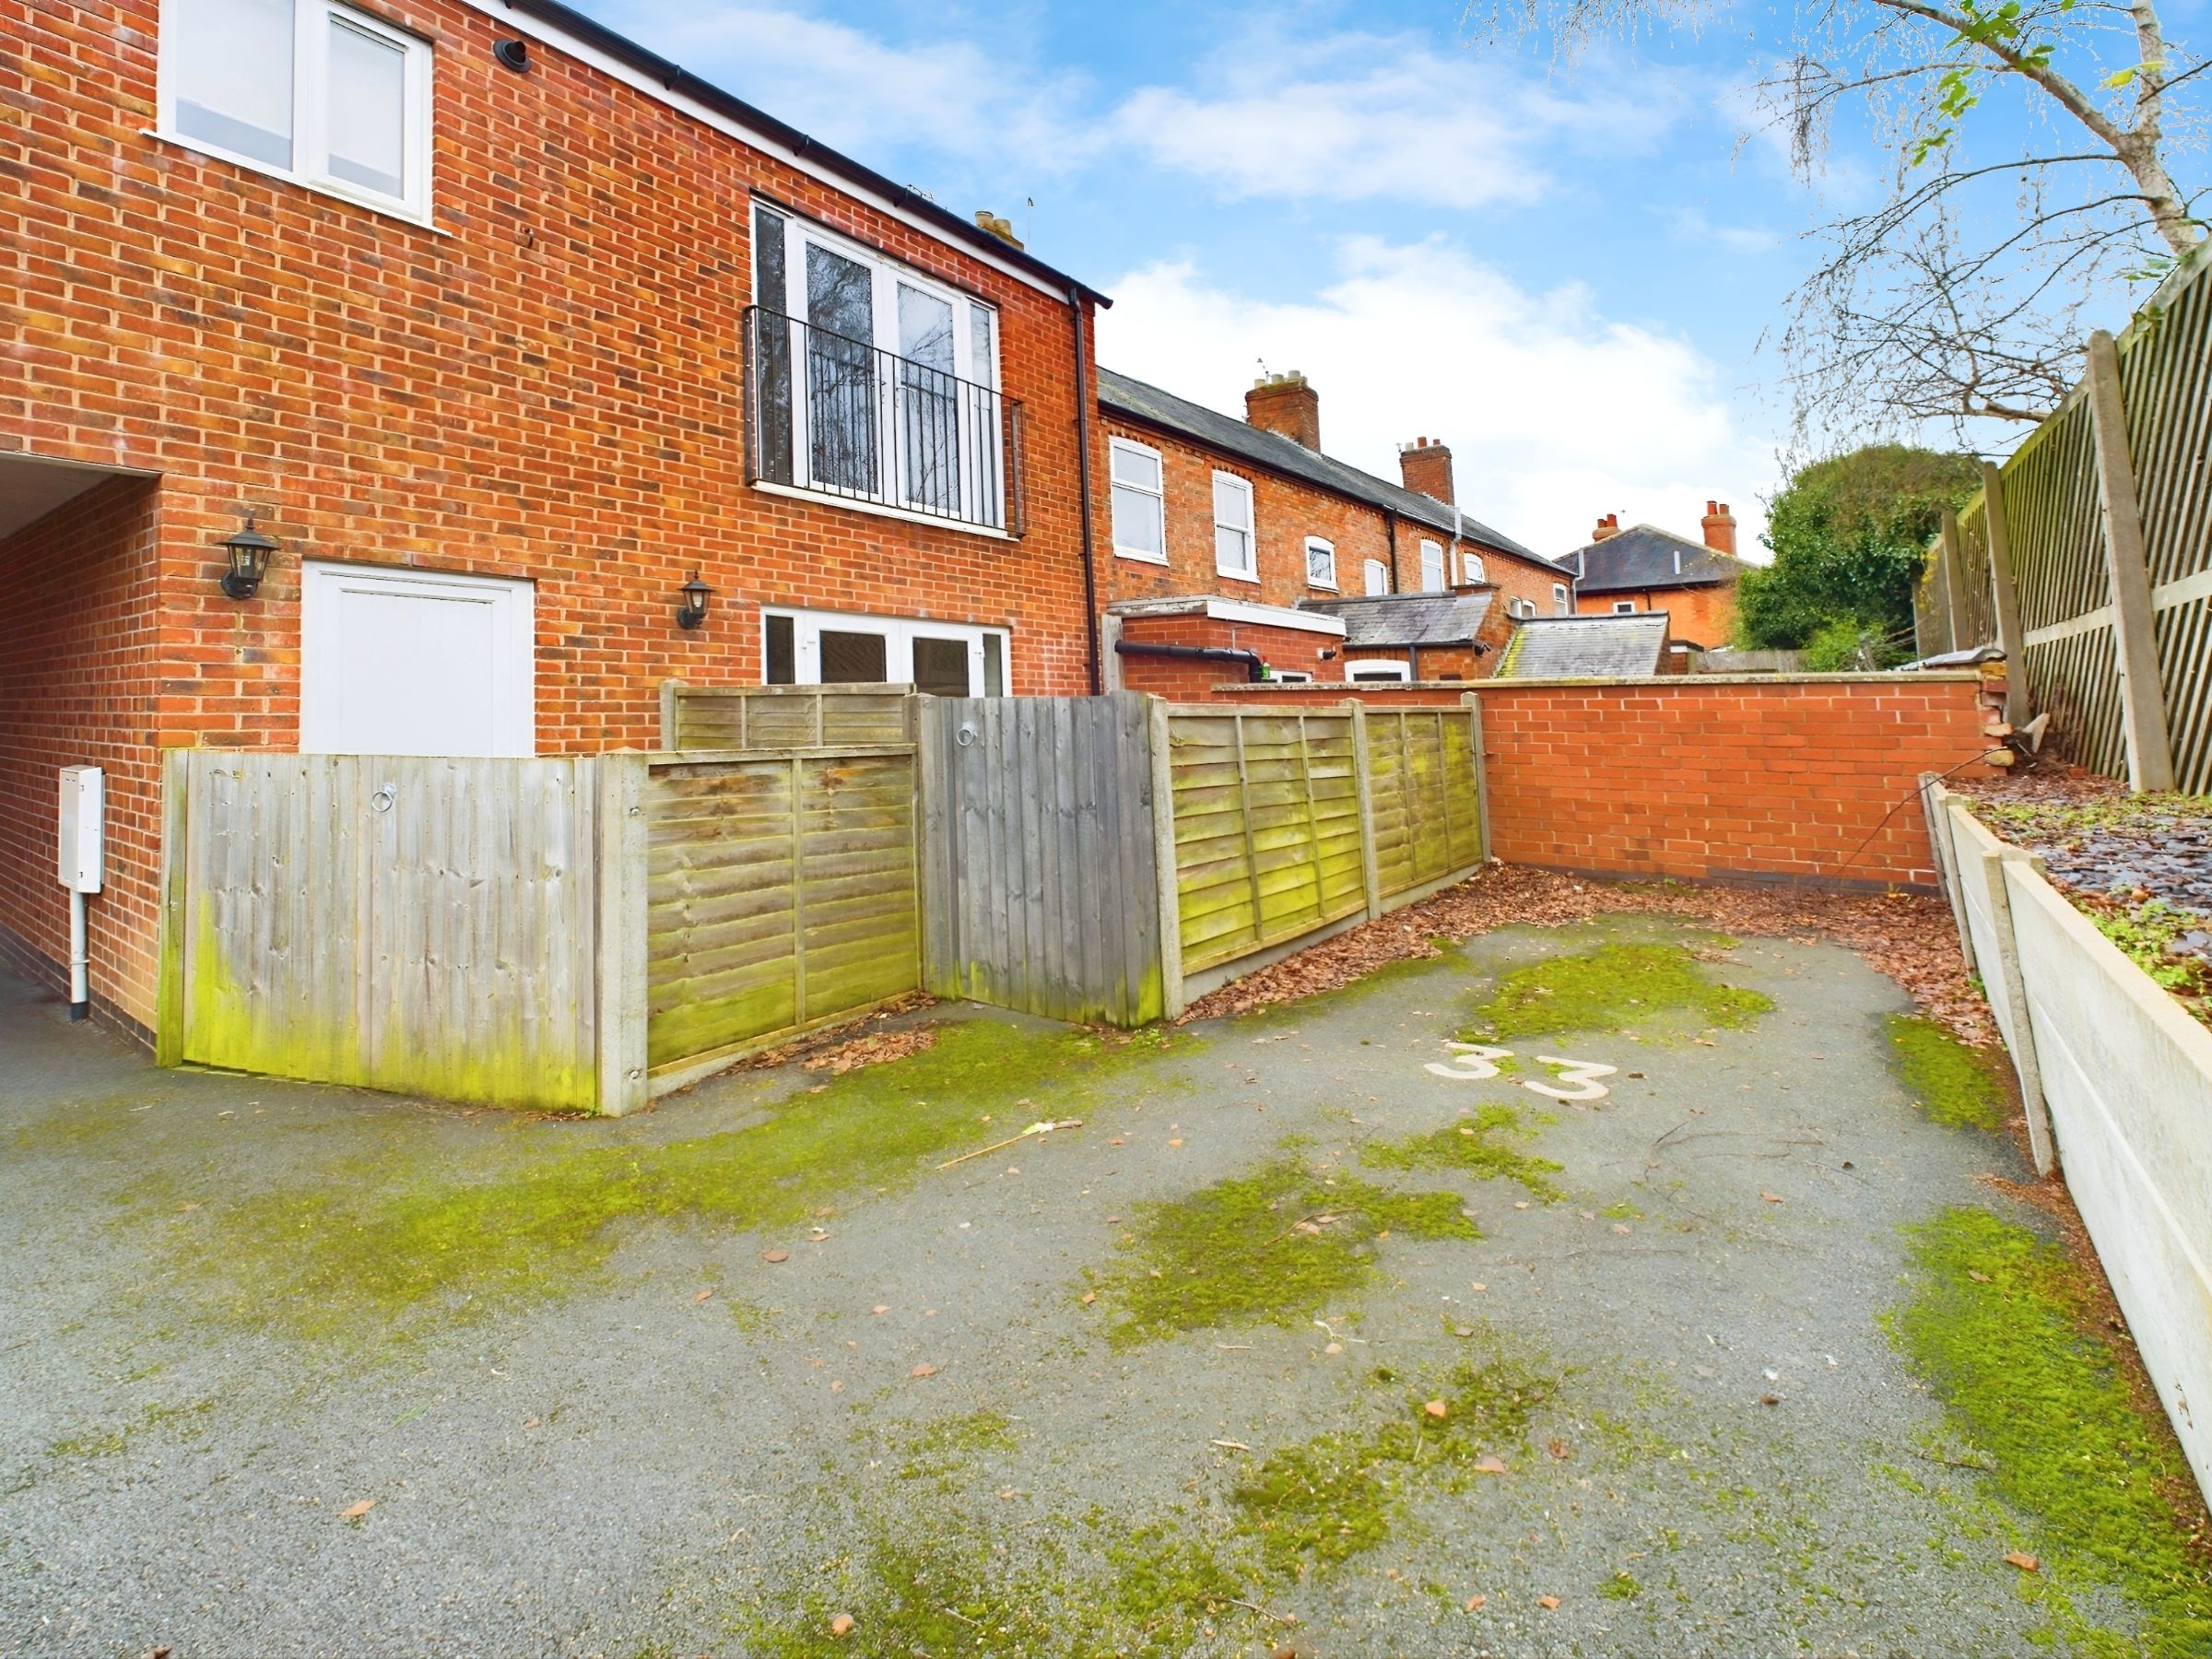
[(1091, 563), (1254, 669), (675, 78)]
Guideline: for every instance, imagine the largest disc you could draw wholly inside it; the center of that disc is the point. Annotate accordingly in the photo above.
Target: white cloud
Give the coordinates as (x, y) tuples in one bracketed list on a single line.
[(1556, 416), (1690, 226)]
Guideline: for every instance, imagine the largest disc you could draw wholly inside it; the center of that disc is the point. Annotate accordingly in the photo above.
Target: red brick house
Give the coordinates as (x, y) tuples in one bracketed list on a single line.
[(499, 331), (1642, 568), (1243, 536)]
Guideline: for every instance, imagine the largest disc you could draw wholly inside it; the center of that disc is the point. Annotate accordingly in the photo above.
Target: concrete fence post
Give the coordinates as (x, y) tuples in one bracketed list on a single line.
[(2007, 594), (2134, 645), (1363, 781), (1937, 814), (2026, 1065), (623, 1084)]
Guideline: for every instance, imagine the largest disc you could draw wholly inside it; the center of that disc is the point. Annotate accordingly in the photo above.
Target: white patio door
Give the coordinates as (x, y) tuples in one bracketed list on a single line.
[(404, 661)]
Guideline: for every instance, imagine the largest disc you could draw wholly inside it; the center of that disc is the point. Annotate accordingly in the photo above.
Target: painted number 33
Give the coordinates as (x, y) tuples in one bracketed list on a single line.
[(1577, 1080)]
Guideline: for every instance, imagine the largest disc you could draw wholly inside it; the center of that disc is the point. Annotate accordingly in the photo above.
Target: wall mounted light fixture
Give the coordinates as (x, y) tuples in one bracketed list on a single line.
[(249, 553), (693, 611)]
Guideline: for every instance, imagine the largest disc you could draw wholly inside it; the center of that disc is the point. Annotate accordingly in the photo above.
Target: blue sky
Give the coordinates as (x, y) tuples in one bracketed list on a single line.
[(1564, 274)]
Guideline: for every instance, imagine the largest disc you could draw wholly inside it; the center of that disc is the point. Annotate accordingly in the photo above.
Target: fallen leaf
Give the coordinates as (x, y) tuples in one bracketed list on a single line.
[(1770, 1197), (1462, 1330), (1115, 1141), (842, 1625), (775, 1255), (2025, 1563), (1089, 1297), (1176, 1142), (924, 1370), (1492, 1464), (1439, 1410), (1561, 1450), (881, 1308), (1334, 1348), (836, 1386), (1979, 1278), (357, 1511), (1477, 1286), (1769, 1399), (531, 1424), (702, 1296), (1548, 1602)]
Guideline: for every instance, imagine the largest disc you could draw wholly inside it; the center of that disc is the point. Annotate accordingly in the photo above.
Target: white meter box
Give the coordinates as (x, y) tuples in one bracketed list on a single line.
[(84, 832)]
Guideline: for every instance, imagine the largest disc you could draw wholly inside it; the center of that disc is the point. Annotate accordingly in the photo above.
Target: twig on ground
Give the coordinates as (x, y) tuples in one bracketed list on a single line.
[(1044, 1128)]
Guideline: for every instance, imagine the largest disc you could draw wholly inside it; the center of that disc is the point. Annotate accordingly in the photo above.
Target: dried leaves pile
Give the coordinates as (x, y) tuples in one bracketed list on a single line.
[(1911, 939), (848, 1047)]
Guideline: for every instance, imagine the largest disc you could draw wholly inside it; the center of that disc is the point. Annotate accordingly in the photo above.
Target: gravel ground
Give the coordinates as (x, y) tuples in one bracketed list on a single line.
[(635, 1469)]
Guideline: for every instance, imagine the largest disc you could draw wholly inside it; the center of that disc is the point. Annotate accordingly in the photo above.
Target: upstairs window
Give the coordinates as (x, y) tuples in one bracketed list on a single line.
[(1561, 602), (304, 89), (1624, 607), (1320, 563), (1471, 564), (1140, 502), (1234, 544), (1378, 578), (1433, 567)]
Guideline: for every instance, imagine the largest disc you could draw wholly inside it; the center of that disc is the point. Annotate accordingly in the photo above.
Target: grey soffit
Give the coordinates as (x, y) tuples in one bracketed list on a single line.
[(1407, 619), (1272, 450), (1587, 647), (1643, 557)]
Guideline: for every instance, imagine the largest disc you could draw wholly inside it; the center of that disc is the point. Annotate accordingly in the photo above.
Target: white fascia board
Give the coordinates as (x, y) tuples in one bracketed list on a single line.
[(1273, 616), (537, 29)]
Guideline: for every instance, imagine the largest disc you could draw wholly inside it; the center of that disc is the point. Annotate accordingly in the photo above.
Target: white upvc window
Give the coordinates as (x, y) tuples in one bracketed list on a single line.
[(1140, 502), (1560, 602), (1433, 567), (306, 89), (1378, 578), (1623, 608), (1236, 544), (1289, 677), (1471, 564), (1378, 669), (1320, 563), (872, 382), (839, 648)]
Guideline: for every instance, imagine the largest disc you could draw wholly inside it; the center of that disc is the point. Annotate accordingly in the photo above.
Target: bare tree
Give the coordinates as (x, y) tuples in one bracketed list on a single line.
[(1961, 296)]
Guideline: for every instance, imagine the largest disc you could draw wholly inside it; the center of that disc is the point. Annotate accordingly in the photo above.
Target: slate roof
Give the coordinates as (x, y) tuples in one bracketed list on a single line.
[(1256, 444), (1587, 647), (1401, 619), (1644, 556)]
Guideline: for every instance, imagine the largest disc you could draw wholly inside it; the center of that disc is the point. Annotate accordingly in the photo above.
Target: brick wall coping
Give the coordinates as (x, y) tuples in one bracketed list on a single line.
[(1680, 682)]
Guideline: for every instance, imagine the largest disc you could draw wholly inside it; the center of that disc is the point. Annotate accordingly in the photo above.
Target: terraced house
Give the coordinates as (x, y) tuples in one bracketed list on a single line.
[(440, 376), (1240, 547)]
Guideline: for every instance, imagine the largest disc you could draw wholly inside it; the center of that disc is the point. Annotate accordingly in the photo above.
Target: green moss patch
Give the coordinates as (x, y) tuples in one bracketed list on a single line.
[(1950, 1082), (939, 1449), (1316, 1505), (1613, 988), (2001, 1325), (1274, 1247), (1477, 1145), (364, 1247)]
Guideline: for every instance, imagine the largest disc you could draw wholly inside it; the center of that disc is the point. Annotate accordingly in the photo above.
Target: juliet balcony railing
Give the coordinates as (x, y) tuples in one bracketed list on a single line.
[(839, 417)]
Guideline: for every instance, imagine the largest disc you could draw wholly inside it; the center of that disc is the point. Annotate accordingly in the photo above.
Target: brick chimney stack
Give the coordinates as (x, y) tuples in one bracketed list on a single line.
[(1285, 403), (1607, 527), (1719, 525), (1427, 469), (1001, 227)]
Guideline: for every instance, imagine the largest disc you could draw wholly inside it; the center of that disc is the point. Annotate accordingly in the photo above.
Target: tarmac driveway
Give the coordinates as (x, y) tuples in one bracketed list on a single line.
[(1319, 1333)]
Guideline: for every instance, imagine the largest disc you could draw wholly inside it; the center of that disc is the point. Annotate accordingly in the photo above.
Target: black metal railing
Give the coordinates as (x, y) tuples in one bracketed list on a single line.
[(828, 413)]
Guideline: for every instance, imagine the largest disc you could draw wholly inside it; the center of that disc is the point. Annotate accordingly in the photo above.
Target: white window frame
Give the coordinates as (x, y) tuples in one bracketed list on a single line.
[(1159, 497), (1377, 670), (1378, 578), (1432, 559), (1289, 677), (1318, 544), (899, 635), (1624, 607), (1562, 602), (887, 276), (310, 105), (1471, 567), (1249, 528)]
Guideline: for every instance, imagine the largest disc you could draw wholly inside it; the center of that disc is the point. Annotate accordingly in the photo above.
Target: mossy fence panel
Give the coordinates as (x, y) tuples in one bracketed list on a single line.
[(784, 717)]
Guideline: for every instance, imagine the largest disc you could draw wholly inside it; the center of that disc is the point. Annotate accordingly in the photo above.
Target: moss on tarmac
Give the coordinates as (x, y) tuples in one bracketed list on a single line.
[(1638, 989), (1952, 1083)]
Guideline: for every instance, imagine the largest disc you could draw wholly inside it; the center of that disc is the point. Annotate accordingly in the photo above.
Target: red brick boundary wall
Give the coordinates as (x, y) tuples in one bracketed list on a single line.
[(1806, 779)]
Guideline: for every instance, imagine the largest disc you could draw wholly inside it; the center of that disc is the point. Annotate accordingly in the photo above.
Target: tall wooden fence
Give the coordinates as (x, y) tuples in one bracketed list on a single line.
[(2087, 555)]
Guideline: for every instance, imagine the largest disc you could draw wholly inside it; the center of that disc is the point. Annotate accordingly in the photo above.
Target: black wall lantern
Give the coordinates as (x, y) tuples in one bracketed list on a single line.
[(249, 553), (693, 611)]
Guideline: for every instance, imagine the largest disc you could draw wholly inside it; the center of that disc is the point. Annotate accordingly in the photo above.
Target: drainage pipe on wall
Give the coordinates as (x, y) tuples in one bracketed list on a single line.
[(80, 959), (1250, 660), (1090, 572)]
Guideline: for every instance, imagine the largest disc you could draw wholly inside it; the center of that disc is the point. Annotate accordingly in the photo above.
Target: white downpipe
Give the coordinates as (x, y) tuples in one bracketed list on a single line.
[(80, 983)]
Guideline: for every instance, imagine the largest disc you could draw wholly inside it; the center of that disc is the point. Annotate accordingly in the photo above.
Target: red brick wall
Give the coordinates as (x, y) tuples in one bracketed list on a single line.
[(1725, 779), (1192, 679), (79, 686), (1415, 694), (1702, 616), (551, 389)]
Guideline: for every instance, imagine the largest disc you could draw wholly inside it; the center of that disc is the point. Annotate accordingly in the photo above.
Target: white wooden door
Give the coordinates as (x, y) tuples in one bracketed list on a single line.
[(403, 662)]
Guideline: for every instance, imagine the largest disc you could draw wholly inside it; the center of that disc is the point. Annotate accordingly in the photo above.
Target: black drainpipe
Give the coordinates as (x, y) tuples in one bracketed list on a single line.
[(1391, 521), (1253, 667), (1090, 571), (1413, 662)]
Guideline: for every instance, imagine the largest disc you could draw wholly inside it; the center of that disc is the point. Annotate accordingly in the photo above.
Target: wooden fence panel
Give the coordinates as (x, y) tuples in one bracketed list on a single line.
[(784, 717), (1268, 834), (1041, 891), (1425, 790), (780, 894), (424, 925)]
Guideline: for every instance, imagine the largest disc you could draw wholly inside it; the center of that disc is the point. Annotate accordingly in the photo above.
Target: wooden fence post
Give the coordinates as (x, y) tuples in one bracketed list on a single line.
[(1473, 704), (176, 821), (2007, 594), (1363, 781), (1954, 587), (2134, 646), (1172, 1002), (621, 966), (2025, 1062)]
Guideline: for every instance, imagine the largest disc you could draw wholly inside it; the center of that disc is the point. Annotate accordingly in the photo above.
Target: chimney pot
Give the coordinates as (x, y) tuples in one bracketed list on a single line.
[(1607, 527), (1720, 528), (1426, 466)]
